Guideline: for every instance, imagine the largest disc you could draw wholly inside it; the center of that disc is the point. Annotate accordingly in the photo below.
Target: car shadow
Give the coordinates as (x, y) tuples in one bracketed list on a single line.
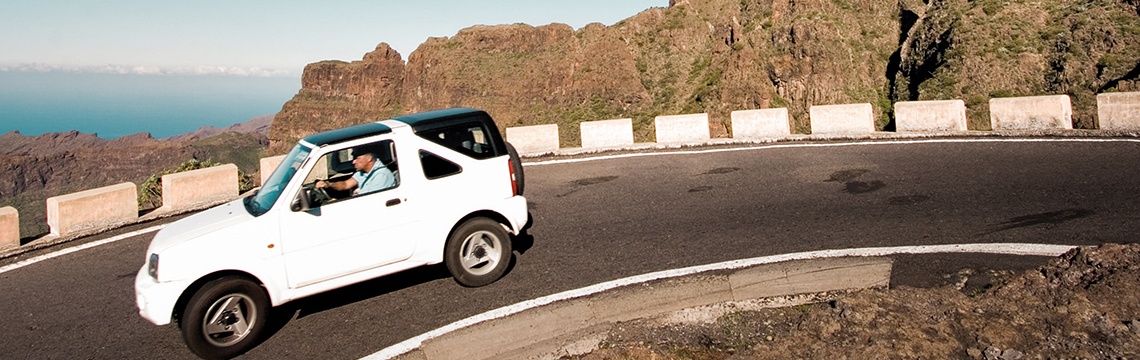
[(522, 242), (347, 295), (280, 316)]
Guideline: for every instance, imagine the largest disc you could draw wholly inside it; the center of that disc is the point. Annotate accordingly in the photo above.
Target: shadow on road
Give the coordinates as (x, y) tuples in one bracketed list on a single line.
[(1053, 217), (281, 316)]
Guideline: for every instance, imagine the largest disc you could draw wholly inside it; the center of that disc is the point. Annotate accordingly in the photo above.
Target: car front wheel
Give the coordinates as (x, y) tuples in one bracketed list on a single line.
[(224, 318), (478, 252)]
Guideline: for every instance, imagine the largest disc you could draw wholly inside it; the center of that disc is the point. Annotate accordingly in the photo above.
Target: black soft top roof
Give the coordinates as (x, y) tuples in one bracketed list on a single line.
[(428, 120), (349, 133), (442, 118)]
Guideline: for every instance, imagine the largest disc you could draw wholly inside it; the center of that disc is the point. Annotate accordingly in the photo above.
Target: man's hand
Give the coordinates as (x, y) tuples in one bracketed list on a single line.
[(347, 184)]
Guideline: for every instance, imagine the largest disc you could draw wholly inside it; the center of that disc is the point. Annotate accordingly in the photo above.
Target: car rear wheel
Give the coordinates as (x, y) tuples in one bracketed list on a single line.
[(224, 318), (478, 252)]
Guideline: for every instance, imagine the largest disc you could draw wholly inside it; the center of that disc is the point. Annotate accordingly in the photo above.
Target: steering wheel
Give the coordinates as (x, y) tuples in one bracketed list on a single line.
[(318, 195)]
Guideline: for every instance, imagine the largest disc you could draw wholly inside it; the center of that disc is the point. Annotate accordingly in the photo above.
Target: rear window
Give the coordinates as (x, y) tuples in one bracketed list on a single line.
[(469, 138)]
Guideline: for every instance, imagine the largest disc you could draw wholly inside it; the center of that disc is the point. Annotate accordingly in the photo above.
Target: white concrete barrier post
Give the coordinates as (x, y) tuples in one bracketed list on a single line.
[(932, 116), (761, 124), (267, 165), (1118, 111), (607, 133), (189, 189), (846, 119), (534, 140), (92, 209), (9, 227), (682, 129), (1051, 112)]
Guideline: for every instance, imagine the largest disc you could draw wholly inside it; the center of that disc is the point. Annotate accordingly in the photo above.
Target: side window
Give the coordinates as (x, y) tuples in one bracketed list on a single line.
[(436, 167), (384, 173), (469, 138), (354, 171)]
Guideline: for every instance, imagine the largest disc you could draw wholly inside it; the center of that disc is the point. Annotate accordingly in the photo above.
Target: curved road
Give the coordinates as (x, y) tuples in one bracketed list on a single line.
[(609, 218)]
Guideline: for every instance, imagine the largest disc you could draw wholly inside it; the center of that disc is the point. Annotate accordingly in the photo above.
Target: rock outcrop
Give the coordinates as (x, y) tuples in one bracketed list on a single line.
[(38, 167), (257, 127), (717, 56)]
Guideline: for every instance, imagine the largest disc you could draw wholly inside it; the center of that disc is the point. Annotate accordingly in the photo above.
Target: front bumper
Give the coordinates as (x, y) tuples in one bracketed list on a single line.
[(156, 300)]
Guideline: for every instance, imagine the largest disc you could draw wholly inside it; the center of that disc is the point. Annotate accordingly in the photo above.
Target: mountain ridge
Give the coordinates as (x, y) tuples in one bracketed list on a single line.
[(52, 164), (717, 56)]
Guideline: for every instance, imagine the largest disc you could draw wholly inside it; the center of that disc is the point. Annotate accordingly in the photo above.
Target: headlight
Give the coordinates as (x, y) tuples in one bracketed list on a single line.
[(152, 266)]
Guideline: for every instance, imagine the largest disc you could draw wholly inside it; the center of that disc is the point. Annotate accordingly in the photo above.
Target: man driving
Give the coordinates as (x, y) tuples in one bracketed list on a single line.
[(370, 176)]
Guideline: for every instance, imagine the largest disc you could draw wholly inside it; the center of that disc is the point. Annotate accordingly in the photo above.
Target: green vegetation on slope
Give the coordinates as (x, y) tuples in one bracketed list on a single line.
[(717, 56)]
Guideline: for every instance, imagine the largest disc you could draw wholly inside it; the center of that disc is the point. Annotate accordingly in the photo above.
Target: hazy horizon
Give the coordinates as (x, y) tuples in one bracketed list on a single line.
[(269, 36), (125, 67), (116, 105)]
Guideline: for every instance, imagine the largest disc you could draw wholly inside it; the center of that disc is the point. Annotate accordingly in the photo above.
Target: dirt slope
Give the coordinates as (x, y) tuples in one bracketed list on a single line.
[(1083, 305)]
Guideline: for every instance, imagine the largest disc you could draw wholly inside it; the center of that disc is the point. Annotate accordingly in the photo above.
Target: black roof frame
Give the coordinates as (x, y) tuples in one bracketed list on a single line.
[(347, 134)]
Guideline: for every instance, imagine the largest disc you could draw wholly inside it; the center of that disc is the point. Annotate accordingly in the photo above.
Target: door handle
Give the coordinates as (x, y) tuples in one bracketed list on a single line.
[(393, 202)]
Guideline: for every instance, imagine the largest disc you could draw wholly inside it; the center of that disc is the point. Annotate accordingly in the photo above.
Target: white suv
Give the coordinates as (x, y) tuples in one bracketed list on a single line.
[(452, 193)]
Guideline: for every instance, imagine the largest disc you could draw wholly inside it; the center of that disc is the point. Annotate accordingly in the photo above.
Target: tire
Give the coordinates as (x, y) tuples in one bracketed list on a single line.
[(516, 163), (225, 318), (478, 252)]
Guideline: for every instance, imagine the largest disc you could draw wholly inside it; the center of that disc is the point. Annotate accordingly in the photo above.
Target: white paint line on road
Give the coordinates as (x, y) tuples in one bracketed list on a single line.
[(410, 344), (89, 245), (769, 146), (1001, 248), (607, 157)]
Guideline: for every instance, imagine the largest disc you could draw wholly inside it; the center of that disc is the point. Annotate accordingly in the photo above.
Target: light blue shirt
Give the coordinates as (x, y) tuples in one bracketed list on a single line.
[(379, 178)]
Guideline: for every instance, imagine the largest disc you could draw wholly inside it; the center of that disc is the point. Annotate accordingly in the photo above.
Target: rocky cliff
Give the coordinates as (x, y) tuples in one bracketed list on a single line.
[(717, 56), (38, 167)]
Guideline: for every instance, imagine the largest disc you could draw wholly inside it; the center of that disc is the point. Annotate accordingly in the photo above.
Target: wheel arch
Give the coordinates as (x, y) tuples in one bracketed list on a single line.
[(438, 254), (189, 292), (490, 214)]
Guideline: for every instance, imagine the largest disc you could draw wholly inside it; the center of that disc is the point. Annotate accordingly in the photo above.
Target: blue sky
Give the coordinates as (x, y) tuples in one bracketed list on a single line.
[(257, 36)]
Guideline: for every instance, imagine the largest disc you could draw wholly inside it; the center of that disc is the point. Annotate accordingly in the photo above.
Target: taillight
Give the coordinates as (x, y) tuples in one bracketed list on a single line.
[(514, 181)]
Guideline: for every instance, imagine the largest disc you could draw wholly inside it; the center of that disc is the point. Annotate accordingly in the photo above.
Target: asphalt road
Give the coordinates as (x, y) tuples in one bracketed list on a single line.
[(601, 220)]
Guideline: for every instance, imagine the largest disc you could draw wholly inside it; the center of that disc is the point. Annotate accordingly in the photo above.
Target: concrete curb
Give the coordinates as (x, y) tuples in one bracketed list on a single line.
[(558, 328), (574, 321)]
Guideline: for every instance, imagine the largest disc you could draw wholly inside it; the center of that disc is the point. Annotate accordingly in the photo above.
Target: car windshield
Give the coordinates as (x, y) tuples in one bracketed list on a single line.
[(263, 200)]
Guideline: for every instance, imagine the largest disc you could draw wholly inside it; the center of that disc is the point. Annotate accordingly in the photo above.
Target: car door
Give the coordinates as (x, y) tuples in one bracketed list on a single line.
[(349, 235)]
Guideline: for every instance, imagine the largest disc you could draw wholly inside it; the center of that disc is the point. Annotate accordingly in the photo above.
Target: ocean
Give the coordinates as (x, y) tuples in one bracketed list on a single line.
[(114, 105)]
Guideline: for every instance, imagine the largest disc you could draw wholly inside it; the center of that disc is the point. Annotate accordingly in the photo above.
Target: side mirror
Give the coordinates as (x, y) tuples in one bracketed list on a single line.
[(301, 202)]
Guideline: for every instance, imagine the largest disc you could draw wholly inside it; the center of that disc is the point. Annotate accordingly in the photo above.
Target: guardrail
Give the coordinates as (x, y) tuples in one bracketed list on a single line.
[(759, 124), (846, 119), (682, 129), (190, 189), (73, 214), (9, 227), (1118, 111), (930, 116), (607, 133), (1032, 113), (92, 209)]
